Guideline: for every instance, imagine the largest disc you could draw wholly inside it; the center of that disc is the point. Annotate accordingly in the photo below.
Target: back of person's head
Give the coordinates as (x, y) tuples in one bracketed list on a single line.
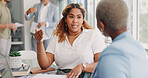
[(61, 29), (112, 13)]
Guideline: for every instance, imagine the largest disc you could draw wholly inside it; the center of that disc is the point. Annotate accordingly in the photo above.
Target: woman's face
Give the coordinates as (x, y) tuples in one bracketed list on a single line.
[(74, 20)]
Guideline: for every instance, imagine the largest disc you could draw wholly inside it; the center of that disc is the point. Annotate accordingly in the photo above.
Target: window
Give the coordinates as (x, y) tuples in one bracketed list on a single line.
[(138, 20), (143, 21)]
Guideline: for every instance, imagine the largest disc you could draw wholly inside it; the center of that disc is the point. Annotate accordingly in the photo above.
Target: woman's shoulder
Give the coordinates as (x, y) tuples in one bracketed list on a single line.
[(54, 38), (92, 31), (89, 30)]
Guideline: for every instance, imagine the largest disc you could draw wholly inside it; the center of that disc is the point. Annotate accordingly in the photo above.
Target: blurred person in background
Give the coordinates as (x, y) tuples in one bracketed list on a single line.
[(46, 16), (5, 28)]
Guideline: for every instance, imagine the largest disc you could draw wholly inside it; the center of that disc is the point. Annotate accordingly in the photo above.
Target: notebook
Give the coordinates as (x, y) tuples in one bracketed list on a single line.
[(5, 71), (23, 71)]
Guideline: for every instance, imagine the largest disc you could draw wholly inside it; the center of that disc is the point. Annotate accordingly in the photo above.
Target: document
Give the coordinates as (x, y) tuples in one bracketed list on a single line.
[(19, 24), (49, 76), (34, 25)]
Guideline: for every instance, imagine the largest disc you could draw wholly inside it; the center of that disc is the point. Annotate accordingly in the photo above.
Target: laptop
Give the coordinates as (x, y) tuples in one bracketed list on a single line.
[(5, 71)]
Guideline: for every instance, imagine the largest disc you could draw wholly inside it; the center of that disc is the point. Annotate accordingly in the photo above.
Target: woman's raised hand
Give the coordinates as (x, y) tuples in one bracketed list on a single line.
[(39, 35)]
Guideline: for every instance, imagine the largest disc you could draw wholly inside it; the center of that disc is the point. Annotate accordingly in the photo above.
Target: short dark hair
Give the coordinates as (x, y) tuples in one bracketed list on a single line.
[(113, 13)]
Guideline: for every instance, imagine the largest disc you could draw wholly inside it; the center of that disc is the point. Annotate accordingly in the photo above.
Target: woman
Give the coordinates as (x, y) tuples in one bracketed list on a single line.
[(75, 47)]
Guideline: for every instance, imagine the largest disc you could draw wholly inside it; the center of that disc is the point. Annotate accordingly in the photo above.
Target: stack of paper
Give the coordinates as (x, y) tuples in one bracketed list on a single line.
[(23, 71), (48, 76)]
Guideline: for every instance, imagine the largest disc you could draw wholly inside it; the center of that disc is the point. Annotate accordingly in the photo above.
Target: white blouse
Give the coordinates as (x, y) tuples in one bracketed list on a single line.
[(83, 49)]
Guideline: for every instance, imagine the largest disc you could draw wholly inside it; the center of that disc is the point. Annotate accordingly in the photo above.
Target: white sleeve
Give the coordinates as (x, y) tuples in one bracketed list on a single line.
[(98, 44), (47, 24), (27, 15), (51, 46)]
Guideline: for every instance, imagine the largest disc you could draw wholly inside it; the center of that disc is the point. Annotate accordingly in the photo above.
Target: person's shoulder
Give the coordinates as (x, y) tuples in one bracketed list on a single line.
[(114, 49), (113, 54), (93, 31), (38, 4), (1, 5), (55, 38), (53, 5), (89, 30)]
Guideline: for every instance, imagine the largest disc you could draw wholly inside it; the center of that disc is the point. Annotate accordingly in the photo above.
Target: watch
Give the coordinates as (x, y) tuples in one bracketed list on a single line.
[(84, 66)]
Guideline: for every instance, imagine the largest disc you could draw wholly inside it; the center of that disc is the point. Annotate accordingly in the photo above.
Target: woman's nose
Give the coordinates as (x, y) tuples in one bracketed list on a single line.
[(75, 20)]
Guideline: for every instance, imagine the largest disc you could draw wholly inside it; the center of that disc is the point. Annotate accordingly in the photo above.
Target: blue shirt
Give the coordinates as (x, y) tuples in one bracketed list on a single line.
[(124, 58)]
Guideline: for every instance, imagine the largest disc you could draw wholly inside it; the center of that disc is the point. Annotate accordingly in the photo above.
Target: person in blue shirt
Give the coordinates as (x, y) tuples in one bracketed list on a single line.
[(124, 57)]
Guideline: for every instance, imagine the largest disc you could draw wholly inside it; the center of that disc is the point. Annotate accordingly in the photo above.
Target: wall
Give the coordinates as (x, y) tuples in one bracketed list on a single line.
[(27, 36)]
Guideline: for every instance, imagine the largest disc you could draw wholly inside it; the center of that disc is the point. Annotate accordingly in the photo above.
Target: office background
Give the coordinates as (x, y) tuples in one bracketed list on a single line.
[(137, 21)]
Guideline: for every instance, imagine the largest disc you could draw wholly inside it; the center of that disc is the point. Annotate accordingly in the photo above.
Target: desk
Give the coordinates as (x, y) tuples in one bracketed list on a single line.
[(50, 74)]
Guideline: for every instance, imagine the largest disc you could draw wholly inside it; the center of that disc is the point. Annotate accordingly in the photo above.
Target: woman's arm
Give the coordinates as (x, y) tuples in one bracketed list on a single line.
[(91, 67), (44, 59), (75, 72)]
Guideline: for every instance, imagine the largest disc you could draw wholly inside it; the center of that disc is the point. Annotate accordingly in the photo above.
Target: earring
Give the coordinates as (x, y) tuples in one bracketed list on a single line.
[(82, 27), (66, 26)]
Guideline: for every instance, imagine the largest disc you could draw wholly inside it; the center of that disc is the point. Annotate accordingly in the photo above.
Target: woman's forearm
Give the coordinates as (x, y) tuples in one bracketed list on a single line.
[(90, 67), (42, 56)]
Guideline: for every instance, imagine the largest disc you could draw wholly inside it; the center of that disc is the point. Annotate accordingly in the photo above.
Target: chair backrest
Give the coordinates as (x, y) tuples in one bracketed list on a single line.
[(28, 54), (29, 57), (5, 71)]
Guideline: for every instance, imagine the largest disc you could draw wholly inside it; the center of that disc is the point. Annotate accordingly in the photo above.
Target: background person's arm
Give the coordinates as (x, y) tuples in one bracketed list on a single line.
[(11, 26), (30, 13)]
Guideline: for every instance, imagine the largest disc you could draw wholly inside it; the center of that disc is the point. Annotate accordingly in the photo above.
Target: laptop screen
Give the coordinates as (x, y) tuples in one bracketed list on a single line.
[(5, 71)]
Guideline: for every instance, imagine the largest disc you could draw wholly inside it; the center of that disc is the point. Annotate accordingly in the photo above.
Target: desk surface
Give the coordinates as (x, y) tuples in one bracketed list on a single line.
[(50, 74)]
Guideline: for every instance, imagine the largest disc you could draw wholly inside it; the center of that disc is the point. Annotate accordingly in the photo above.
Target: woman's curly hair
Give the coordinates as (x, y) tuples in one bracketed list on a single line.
[(61, 29)]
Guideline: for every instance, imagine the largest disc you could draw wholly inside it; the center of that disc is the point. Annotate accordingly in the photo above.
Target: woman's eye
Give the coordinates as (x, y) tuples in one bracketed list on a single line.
[(70, 16), (79, 17)]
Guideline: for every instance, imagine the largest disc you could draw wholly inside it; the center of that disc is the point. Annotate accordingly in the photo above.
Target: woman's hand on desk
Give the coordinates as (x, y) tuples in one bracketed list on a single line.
[(75, 72), (39, 35)]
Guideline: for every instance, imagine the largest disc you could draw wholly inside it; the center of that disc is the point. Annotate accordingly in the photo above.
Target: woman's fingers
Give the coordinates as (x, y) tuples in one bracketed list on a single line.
[(36, 30), (72, 75), (38, 35)]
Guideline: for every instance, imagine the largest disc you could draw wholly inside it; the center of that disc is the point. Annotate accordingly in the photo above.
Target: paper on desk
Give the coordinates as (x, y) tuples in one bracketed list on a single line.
[(49, 76), (34, 25), (19, 24)]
